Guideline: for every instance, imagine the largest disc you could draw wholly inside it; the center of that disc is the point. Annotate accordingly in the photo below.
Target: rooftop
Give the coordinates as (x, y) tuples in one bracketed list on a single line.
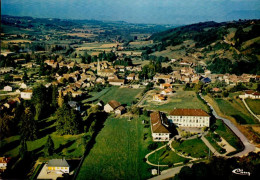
[(156, 123), (57, 163), (188, 112)]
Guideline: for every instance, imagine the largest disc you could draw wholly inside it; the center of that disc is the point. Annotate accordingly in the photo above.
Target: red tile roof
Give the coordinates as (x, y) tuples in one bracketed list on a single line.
[(156, 123), (114, 104), (188, 112)]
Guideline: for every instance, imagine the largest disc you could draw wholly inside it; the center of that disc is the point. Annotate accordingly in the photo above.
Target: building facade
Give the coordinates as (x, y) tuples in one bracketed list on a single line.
[(159, 128), (189, 118)]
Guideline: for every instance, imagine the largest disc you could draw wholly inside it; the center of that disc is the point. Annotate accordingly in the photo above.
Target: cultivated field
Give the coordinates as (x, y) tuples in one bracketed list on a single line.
[(119, 151), (180, 99)]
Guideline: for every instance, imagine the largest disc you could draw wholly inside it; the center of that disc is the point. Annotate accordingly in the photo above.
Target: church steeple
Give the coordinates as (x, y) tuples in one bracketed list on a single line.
[(98, 66)]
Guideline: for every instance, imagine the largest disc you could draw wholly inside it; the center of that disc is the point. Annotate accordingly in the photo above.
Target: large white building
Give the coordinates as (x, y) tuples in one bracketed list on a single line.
[(159, 128), (189, 118)]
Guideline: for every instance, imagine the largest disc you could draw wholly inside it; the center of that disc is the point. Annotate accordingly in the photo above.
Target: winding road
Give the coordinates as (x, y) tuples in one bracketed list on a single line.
[(248, 146)]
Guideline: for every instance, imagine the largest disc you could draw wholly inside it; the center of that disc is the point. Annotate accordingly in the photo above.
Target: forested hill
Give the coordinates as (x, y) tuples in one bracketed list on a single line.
[(228, 47)]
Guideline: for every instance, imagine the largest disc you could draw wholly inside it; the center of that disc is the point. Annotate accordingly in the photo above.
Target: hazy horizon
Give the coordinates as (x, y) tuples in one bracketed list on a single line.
[(136, 11)]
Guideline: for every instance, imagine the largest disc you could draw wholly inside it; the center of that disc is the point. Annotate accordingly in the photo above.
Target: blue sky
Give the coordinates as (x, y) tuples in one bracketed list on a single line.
[(136, 11)]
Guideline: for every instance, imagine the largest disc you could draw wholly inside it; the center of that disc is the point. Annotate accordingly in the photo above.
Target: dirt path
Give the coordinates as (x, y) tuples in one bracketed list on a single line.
[(251, 112)]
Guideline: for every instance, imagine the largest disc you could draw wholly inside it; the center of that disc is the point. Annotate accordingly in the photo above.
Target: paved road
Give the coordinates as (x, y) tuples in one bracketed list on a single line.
[(248, 146), (169, 173)]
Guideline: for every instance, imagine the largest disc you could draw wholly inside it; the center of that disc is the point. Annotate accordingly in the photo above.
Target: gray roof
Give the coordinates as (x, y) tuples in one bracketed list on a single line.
[(58, 163), (73, 104)]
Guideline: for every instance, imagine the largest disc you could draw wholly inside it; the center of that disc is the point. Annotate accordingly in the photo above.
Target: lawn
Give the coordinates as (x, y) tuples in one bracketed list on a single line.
[(193, 147), (228, 135), (68, 145), (166, 157), (119, 151), (180, 99), (254, 105), (236, 109), (122, 95), (211, 140)]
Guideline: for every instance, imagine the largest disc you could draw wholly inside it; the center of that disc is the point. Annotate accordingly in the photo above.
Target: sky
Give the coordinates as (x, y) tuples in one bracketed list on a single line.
[(136, 11)]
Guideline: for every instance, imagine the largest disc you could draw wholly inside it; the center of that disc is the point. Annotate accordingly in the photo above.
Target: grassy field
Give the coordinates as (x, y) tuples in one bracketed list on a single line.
[(122, 95), (180, 99), (228, 135), (95, 95), (236, 109), (165, 157), (119, 151), (193, 147), (254, 105), (68, 145)]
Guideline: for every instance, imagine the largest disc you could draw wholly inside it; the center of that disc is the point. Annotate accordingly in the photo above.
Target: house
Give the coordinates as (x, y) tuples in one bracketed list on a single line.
[(216, 90), (159, 97), (165, 86), (116, 82), (159, 128), (8, 88), (58, 166), (206, 80), (114, 106), (167, 91), (106, 72), (74, 105), (250, 94), (26, 94), (131, 77), (189, 118), (3, 163), (166, 78)]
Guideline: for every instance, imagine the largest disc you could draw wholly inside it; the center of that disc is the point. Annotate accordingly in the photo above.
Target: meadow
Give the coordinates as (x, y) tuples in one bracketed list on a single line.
[(193, 147), (180, 99), (119, 151), (122, 95), (67, 145), (254, 105), (236, 109)]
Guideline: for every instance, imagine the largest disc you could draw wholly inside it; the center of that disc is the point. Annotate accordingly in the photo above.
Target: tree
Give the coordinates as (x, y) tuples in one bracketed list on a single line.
[(25, 76), (54, 96), (28, 126), (23, 149), (67, 121), (60, 99), (8, 78), (6, 125), (49, 147)]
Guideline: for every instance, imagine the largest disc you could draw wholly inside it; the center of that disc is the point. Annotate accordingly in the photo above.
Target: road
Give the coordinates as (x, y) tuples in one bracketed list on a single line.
[(248, 146), (169, 173)]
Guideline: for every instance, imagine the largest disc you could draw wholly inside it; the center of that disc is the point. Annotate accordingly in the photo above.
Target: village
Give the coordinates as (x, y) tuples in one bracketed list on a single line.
[(57, 107)]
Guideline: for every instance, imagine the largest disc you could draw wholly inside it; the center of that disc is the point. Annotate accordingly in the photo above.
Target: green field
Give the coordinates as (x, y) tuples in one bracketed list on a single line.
[(228, 135), (236, 109), (254, 105), (95, 95), (122, 95), (180, 99), (119, 151), (165, 157), (67, 145), (193, 147)]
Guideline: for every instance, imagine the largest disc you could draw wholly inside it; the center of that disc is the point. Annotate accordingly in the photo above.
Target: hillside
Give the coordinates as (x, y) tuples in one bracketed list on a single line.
[(228, 47)]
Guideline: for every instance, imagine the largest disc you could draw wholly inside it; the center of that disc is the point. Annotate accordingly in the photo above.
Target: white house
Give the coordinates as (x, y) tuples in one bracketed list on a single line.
[(159, 97), (189, 118), (167, 91), (58, 166), (159, 128), (8, 88), (27, 94), (250, 94), (116, 82)]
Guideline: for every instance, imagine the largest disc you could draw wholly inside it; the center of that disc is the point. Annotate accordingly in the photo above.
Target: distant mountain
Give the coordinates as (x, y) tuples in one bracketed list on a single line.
[(228, 47)]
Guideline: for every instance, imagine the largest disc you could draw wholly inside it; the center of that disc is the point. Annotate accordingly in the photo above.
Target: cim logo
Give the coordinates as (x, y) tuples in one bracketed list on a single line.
[(240, 172)]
